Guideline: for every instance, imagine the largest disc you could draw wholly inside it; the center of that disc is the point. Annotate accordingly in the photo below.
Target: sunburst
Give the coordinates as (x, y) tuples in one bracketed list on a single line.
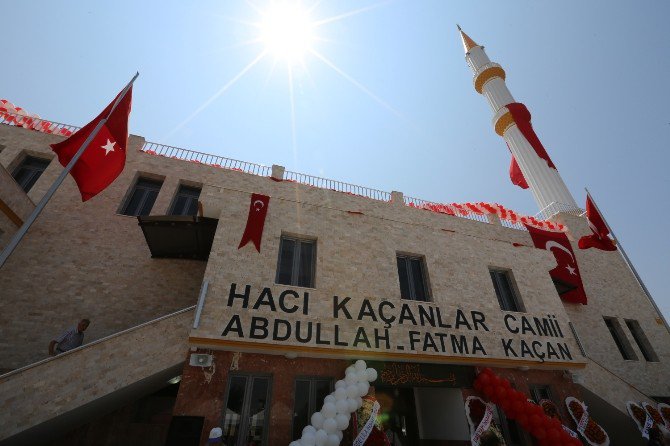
[(287, 31)]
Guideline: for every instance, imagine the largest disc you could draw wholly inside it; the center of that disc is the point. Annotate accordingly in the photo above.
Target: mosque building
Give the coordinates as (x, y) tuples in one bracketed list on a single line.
[(228, 294)]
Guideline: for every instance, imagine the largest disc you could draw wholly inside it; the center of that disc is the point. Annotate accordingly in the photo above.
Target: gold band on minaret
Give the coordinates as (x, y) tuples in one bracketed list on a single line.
[(487, 75), (503, 123)]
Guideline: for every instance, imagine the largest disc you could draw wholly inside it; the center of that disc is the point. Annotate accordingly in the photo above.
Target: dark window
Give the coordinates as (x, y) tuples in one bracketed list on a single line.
[(142, 197), (514, 435), (308, 398), (620, 338), (579, 341), (245, 420), (186, 201), (412, 277), (540, 393), (502, 282), (296, 262), (641, 340), (29, 171)]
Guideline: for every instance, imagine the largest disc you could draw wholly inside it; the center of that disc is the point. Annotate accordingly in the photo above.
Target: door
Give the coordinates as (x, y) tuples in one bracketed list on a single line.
[(246, 417)]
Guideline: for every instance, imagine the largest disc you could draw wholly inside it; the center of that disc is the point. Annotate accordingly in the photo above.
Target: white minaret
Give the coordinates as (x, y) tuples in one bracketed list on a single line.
[(489, 79)]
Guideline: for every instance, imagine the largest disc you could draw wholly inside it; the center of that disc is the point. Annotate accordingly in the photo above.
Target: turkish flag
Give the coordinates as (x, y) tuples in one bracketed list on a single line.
[(566, 275), (521, 117), (258, 209), (599, 239), (104, 158)]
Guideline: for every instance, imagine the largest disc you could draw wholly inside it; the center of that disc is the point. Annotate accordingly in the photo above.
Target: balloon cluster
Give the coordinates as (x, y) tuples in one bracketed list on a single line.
[(329, 423), (548, 431)]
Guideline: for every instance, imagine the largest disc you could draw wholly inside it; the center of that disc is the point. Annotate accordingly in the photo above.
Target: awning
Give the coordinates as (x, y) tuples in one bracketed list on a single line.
[(178, 236)]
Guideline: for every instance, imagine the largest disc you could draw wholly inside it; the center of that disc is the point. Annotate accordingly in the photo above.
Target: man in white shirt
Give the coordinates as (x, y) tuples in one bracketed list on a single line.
[(72, 338)]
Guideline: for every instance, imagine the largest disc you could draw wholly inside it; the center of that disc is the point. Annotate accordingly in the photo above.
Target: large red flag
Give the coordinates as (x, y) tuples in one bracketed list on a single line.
[(253, 232), (599, 239), (566, 275), (104, 158)]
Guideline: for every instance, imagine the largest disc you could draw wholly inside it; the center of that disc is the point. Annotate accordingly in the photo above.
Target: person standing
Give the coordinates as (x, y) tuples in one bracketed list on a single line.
[(72, 338)]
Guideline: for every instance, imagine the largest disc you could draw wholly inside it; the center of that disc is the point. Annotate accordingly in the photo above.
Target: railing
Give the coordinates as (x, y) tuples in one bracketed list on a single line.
[(39, 124), (554, 208), (335, 185), (153, 148)]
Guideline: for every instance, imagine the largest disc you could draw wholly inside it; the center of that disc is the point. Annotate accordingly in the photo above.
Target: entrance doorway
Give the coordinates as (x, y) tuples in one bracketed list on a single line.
[(424, 416)]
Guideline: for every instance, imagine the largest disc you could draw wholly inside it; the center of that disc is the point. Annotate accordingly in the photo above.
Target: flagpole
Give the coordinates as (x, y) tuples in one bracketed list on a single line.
[(9, 249), (628, 263)]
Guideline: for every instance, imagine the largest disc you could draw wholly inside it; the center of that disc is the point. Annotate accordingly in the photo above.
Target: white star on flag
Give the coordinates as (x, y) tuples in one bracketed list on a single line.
[(571, 270), (109, 147)]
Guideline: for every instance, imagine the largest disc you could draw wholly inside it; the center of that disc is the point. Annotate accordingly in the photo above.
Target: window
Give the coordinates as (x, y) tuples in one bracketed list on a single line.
[(579, 341), (308, 398), (245, 420), (142, 197), (29, 171), (540, 392), (641, 340), (514, 435), (504, 286), (186, 201), (412, 277), (296, 262), (620, 339)]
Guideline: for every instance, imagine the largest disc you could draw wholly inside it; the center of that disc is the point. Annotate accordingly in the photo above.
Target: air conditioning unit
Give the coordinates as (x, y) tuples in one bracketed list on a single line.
[(577, 378), (200, 360)]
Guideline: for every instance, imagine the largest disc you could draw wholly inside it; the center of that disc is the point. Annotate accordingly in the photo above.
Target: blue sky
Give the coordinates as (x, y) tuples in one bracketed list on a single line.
[(400, 114)]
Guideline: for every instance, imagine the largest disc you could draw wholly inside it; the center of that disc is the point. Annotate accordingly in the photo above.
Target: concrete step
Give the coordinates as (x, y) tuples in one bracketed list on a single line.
[(53, 396)]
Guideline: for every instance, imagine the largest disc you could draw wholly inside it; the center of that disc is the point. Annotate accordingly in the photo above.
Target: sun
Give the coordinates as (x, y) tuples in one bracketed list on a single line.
[(287, 31)]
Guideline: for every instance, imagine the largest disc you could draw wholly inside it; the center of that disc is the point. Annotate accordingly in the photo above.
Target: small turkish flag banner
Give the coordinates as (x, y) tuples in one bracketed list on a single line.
[(599, 239), (258, 209), (566, 275), (104, 158)]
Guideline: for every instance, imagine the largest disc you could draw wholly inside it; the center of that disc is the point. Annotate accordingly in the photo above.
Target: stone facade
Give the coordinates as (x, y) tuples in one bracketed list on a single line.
[(88, 260)]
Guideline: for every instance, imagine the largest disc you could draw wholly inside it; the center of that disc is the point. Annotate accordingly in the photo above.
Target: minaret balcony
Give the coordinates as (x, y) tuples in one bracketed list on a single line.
[(485, 73)]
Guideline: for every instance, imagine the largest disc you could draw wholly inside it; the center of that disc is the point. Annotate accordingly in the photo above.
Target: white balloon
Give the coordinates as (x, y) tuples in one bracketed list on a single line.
[(361, 376), (351, 378), (352, 405), (351, 368), (341, 406), (359, 402), (321, 437), (328, 410), (360, 365), (352, 390), (308, 439), (339, 434), (317, 420), (342, 421), (340, 383), (329, 399), (371, 373), (330, 425), (309, 429), (363, 388), (341, 393), (333, 440), (295, 443)]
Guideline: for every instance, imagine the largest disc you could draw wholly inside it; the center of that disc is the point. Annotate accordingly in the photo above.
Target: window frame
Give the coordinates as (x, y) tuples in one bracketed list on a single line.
[(535, 390), (640, 338), (248, 388), (312, 404), (517, 302), (295, 265), (35, 173), (408, 258), (131, 191), (189, 197), (619, 337)]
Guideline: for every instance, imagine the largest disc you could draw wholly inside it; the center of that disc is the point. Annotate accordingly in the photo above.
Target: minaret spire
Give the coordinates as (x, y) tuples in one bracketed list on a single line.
[(468, 43), (511, 120)]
